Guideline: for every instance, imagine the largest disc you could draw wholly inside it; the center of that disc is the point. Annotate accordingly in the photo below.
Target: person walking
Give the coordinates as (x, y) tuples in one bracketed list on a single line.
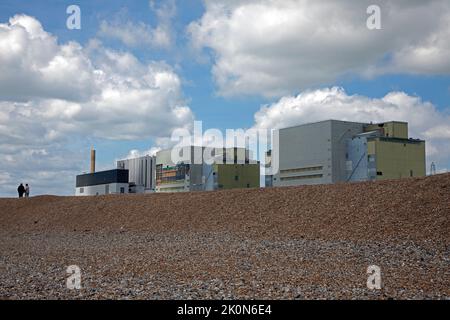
[(27, 191), (21, 190)]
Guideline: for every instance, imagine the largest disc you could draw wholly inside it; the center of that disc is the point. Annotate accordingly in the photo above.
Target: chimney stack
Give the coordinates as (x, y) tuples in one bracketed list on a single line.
[(92, 160)]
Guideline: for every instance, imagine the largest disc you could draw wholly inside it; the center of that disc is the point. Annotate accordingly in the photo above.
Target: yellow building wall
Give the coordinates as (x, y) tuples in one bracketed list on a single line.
[(397, 130), (248, 176), (396, 159), (391, 129)]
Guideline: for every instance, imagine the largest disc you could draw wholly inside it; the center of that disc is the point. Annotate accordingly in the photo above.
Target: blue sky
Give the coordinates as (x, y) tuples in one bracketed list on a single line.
[(212, 45), (214, 111)]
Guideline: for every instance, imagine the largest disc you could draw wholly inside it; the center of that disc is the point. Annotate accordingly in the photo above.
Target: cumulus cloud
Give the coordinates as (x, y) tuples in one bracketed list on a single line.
[(33, 65), (52, 95), (141, 34), (273, 48), (122, 97), (425, 120)]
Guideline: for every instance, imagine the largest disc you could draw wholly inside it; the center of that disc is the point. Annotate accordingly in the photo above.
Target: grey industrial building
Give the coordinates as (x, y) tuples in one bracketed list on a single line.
[(141, 173), (314, 153), (335, 151), (324, 152)]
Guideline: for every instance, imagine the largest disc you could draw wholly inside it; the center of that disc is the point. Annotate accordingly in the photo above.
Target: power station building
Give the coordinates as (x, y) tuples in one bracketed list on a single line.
[(141, 173), (324, 152), (227, 169), (101, 183), (340, 151)]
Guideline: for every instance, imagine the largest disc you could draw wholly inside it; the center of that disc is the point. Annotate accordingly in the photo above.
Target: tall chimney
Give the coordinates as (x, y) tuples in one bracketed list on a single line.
[(92, 160)]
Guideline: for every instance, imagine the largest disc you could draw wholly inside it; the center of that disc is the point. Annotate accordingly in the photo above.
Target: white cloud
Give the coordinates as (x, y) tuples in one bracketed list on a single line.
[(431, 54), (439, 132), (123, 99), (141, 34), (272, 48), (136, 35), (425, 120), (137, 153), (33, 65), (54, 96)]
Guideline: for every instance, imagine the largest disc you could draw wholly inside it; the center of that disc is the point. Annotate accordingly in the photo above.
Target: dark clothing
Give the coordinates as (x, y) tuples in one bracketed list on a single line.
[(21, 191)]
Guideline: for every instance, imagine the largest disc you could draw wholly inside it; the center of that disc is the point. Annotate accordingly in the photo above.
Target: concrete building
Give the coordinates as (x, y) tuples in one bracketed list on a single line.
[(235, 176), (387, 154), (338, 151), (228, 169), (101, 183), (314, 153), (142, 176)]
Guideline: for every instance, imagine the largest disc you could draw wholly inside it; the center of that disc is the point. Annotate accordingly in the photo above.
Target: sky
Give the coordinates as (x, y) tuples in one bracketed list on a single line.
[(136, 71)]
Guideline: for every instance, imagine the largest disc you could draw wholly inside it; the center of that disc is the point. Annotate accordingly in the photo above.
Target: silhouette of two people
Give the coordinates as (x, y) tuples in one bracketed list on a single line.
[(23, 191)]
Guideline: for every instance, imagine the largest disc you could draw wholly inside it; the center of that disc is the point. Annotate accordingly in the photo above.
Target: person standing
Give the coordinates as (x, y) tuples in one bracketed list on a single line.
[(21, 190), (27, 191)]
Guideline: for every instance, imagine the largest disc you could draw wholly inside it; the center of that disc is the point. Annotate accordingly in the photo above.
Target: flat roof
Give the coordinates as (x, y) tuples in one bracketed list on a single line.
[(376, 123), (323, 121), (102, 177), (343, 121), (137, 158)]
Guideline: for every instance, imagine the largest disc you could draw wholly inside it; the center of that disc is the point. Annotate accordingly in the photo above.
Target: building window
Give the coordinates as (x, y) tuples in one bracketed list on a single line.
[(302, 169), (411, 173), (236, 178), (81, 190), (122, 190), (248, 185), (379, 173), (312, 176)]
